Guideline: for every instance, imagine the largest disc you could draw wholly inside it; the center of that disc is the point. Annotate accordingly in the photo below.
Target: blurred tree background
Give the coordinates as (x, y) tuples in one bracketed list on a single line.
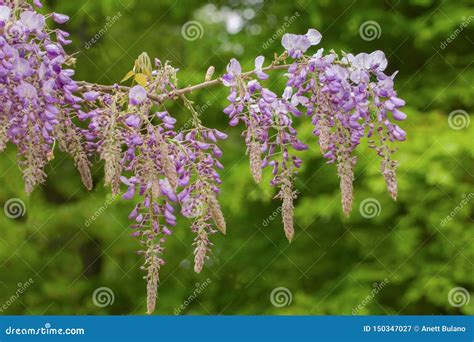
[(405, 260)]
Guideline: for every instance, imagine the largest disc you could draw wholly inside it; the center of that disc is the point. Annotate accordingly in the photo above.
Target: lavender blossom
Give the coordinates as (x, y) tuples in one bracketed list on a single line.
[(297, 45), (269, 131), (37, 91)]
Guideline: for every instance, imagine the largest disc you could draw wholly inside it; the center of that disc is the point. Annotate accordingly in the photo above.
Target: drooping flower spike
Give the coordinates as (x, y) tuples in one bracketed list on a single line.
[(37, 92), (163, 169)]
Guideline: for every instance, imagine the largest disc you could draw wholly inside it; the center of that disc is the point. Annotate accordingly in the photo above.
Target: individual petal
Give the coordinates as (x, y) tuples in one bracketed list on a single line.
[(91, 95), (21, 67), (378, 61), (397, 101), (32, 20), (314, 36), (220, 134), (228, 80), (362, 61), (268, 96), (254, 86), (5, 12), (133, 121), (26, 90), (399, 115), (129, 194), (399, 133), (60, 18), (259, 63), (287, 93), (261, 75), (234, 67), (137, 95), (286, 41)]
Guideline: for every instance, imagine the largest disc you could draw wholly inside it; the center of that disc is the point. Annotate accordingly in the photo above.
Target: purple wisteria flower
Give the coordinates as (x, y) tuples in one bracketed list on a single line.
[(5, 13), (258, 68), (348, 99), (233, 71), (60, 18), (297, 45), (160, 168), (37, 92), (269, 134), (137, 95)]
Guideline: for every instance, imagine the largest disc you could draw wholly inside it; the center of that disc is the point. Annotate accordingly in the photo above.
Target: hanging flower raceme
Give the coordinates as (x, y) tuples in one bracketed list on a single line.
[(348, 98), (37, 92), (142, 150), (269, 135)]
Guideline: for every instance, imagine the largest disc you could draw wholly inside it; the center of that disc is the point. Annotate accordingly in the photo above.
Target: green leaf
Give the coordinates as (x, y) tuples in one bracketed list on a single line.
[(127, 76), (141, 79)]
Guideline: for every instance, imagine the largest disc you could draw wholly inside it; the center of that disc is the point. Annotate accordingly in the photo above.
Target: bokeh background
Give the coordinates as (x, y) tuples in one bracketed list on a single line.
[(406, 259)]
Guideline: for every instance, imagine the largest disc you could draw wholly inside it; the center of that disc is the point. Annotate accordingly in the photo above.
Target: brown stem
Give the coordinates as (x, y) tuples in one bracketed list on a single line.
[(178, 92)]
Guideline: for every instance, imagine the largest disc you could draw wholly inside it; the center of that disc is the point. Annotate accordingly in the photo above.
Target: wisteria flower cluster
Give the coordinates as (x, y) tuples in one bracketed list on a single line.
[(37, 91), (349, 98), (142, 150), (269, 131), (166, 171)]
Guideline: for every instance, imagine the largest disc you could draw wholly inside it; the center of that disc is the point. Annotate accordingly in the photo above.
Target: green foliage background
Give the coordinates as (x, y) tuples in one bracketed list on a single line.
[(333, 263)]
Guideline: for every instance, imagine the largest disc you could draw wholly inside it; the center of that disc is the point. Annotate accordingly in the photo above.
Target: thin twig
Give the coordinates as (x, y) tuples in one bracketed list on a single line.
[(178, 92)]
